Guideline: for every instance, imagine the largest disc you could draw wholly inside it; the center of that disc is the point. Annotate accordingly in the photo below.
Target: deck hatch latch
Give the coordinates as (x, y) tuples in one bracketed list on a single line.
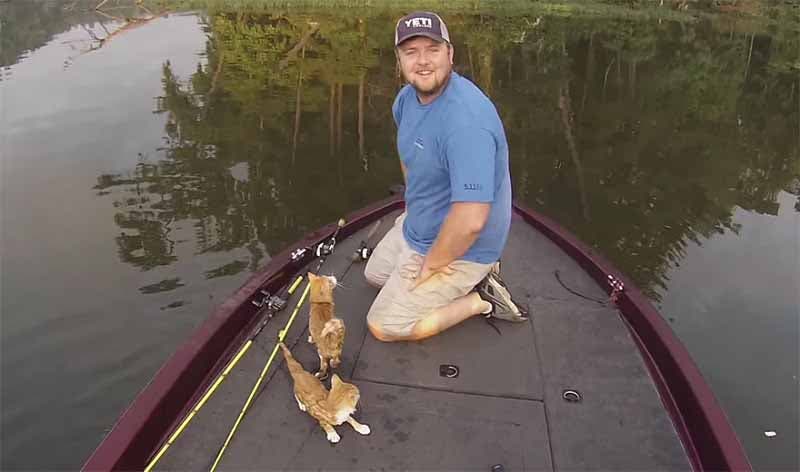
[(571, 396), (449, 371)]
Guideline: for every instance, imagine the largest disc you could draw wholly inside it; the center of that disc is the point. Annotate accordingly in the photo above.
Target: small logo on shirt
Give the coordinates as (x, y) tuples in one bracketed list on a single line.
[(473, 186), (418, 143)]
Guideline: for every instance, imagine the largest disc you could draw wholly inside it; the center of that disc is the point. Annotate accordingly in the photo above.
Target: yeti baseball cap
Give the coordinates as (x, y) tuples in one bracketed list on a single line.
[(421, 23)]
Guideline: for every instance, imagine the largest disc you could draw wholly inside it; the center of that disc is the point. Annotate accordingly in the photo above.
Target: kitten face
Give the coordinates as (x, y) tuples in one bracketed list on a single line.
[(343, 398)]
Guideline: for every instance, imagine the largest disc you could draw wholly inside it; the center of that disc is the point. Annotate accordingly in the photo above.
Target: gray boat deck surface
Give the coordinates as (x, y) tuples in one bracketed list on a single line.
[(505, 407)]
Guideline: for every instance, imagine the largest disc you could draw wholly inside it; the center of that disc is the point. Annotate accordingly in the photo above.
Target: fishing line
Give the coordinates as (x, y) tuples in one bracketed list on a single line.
[(217, 382), (323, 250), (273, 304), (558, 277)]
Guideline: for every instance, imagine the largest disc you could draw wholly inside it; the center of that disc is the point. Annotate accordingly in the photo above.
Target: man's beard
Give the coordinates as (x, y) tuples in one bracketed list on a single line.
[(434, 89)]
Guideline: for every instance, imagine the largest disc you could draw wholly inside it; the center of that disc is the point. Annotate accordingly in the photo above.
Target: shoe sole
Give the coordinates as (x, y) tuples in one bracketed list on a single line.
[(503, 298)]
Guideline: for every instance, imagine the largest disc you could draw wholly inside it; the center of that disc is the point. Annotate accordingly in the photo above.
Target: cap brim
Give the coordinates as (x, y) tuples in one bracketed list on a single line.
[(433, 36)]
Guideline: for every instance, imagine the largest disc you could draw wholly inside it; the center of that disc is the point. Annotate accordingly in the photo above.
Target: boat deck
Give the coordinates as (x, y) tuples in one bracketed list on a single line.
[(505, 407)]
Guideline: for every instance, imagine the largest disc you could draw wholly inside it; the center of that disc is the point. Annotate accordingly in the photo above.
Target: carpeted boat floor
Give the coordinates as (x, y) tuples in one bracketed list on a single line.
[(505, 407)]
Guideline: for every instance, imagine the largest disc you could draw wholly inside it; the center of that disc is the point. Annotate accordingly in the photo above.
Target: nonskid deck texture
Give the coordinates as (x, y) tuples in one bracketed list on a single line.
[(505, 407)]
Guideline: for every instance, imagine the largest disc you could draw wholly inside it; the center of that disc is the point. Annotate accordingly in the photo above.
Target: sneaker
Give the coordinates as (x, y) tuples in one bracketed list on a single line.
[(493, 290)]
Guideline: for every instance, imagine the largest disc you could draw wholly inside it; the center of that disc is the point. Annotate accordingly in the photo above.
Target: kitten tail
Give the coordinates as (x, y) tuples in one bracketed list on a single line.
[(291, 363)]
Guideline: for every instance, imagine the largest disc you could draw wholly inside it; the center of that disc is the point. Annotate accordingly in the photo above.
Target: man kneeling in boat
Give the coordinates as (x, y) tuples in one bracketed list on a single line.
[(438, 265)]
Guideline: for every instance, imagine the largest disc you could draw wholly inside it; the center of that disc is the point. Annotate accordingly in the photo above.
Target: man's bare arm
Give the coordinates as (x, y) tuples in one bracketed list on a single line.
[(403, 168), (460, 229)]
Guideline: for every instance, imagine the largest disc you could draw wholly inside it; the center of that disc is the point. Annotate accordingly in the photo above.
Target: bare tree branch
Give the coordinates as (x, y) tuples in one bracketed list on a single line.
[(300, 45)]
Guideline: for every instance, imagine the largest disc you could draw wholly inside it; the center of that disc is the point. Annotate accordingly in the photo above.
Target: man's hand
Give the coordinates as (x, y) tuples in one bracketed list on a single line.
[(425, 273)]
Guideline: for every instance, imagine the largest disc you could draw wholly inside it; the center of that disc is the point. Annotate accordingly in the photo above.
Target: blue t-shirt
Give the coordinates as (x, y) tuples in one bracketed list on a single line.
[(454, 150)]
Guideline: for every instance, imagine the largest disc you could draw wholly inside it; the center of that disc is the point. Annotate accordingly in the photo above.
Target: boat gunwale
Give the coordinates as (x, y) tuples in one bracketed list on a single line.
[(702, 426)]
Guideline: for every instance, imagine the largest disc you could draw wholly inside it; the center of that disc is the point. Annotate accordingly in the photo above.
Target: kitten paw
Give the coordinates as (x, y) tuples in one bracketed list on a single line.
[(333, 437), (300, 404), (321, 376), (363, 429)]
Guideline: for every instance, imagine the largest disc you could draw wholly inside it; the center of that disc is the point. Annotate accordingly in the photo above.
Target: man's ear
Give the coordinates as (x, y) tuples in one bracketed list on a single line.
[(452, 50)]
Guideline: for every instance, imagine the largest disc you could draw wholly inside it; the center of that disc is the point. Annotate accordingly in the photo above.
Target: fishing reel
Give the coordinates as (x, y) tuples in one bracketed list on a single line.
[(361, 254), (273, 303), (298, 254), (325, 247), (321, 250)]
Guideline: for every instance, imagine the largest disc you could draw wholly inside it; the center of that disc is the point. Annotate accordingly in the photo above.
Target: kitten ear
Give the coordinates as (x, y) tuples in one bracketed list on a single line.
[(335, 380), (311, 276)]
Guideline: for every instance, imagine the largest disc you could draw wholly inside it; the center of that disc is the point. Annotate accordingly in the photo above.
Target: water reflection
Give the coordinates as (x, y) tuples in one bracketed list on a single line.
[(119, 23), (639, 135), (30, 24)]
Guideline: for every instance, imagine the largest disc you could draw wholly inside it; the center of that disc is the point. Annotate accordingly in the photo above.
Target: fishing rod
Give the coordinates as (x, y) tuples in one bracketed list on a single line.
[(323, 250), (275, 304), (270, 304)]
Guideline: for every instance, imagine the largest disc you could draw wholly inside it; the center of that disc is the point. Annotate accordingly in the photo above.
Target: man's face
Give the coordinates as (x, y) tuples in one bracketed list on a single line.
[(426, 64)]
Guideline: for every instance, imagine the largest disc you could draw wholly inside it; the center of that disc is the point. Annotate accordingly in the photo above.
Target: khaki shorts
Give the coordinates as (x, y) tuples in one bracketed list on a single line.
[(393, 265)]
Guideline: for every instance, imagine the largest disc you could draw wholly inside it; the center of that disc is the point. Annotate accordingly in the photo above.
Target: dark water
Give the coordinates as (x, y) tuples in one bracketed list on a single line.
[(150, 166)]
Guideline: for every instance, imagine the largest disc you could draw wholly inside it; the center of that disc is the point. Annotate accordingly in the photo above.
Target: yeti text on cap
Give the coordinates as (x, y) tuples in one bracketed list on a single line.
[(419, 23)]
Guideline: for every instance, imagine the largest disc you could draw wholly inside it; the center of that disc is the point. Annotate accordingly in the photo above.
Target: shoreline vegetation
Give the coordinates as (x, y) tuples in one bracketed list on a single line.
[(762, 13), (743, 15)]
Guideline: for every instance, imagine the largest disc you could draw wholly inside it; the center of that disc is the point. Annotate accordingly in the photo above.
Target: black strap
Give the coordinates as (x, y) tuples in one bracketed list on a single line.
[(558, 277)]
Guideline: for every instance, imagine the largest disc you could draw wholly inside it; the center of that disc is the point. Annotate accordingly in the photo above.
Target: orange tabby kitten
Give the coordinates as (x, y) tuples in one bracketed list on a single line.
[(325, 330), (329, 408)]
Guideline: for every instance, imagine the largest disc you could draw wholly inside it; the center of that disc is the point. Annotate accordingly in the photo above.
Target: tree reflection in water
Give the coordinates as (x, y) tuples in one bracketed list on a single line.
[(639, 134)]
